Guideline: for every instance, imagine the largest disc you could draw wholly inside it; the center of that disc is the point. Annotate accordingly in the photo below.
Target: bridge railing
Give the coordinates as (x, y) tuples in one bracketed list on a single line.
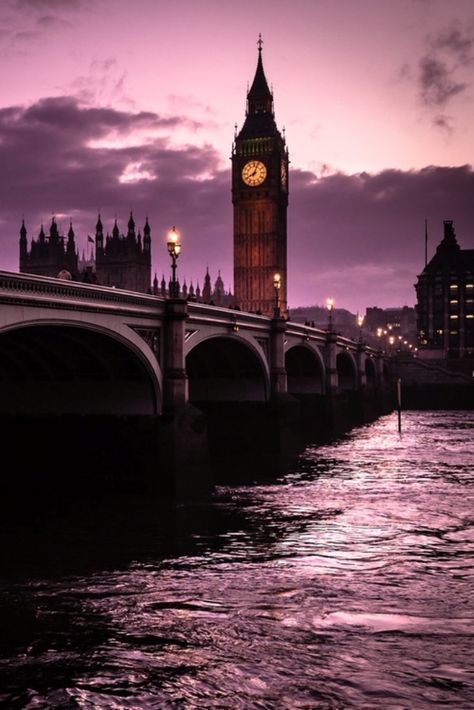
[(201, 313), (51, 291)]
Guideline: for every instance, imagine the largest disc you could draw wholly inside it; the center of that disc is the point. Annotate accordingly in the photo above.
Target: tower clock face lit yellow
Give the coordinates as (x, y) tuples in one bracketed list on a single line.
[(254, 173)]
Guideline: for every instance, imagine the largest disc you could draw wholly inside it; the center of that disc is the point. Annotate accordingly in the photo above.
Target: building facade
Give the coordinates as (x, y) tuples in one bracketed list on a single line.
[(399, 322), (260, 199), (445, 301), (49, 255), (121, 260)]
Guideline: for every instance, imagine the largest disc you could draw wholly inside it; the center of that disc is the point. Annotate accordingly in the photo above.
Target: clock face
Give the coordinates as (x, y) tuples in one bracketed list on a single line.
[(254, 173), (283, 174)]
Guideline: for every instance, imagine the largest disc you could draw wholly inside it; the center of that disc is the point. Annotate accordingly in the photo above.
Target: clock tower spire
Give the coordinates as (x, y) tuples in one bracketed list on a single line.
[(260, 199)]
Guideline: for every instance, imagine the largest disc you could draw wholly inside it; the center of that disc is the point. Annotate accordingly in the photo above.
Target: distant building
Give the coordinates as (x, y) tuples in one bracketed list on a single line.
[(49, 254), (445, 307), (343, 321), (215, 296), (121, 261), (396, 321), (86, 266), (124, 260)]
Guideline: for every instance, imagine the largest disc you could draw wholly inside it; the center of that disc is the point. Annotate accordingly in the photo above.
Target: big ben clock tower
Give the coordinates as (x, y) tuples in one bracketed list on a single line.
[(260, 199)]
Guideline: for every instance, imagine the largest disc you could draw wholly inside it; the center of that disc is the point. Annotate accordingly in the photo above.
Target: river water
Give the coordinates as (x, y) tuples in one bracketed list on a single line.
[(347, 583)]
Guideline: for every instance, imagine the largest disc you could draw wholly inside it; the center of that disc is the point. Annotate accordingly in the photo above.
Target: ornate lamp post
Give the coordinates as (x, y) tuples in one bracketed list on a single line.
[(360, 320), (277, 286), (174, 249), (391, 341), (330, 307)]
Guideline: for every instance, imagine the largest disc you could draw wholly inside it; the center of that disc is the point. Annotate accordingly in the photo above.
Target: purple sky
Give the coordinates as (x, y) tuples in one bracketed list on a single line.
[(116, 105)]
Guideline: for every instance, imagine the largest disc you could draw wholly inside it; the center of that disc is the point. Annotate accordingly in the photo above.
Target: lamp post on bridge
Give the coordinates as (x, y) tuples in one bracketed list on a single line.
[(277, 286), (330, 307), (360, 321), (279, 384), (174, 249)]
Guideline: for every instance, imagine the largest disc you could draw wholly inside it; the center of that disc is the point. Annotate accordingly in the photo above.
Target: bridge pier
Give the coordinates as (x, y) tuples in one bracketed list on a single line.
[(361, 373), (279, 382), (184, 463), (284, 410), (175, 381), (332, 381)]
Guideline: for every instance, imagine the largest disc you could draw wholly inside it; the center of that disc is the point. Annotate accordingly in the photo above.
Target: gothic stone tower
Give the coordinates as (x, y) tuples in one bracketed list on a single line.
[(124, 261), (260, 199)]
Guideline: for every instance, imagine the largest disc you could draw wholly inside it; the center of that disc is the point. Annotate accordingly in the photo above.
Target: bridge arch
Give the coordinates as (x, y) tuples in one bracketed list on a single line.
[(346, 371), (65, 367), (226, 368), (305, 370)]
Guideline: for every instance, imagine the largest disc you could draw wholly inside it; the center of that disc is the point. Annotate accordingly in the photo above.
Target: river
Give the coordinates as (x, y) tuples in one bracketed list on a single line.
[(346, 583)]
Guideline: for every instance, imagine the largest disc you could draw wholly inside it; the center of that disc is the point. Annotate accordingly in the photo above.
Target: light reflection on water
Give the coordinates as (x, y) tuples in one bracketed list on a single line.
[(347, 583)]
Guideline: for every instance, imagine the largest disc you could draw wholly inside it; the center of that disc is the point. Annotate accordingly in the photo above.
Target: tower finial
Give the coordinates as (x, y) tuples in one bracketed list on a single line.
[(260, 42)]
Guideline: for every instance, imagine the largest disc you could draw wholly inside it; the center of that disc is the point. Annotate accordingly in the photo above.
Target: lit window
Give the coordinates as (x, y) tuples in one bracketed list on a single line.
[(469, 285), (454, 316), (470, 316), (454, 300), (453, 286)]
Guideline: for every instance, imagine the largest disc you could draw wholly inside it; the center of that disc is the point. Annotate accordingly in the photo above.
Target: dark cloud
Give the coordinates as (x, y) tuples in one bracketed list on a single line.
[(441, 72), (357, 237), (51, 22), (437, 83), (444, 122), (363, 233), (458, 43), (52, 5)]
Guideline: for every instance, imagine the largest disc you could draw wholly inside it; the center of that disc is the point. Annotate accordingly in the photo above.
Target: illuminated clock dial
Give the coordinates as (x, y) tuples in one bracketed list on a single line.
[(254, 173), (283, 175)]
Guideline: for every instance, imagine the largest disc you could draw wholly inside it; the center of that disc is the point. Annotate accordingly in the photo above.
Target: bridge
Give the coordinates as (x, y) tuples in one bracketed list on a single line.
[(82, 350)]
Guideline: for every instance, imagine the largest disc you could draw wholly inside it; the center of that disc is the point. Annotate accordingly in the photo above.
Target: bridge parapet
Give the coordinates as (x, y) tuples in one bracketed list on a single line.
[(21, 288)]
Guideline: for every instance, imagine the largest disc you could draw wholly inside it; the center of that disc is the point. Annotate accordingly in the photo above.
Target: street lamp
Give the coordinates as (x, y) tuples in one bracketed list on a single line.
[(174, 248), (330, 307), (277, 287), (360, 320), (391, 341)]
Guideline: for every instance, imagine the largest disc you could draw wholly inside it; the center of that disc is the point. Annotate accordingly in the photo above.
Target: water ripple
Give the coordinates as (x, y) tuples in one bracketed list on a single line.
[(345, 584)]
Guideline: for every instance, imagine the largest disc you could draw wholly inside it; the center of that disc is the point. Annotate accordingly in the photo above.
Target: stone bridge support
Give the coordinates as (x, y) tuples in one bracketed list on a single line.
[(175, 382), (379, 370), (361, 371), (184, 453), (277, 359), (331, 363), (284, 410)]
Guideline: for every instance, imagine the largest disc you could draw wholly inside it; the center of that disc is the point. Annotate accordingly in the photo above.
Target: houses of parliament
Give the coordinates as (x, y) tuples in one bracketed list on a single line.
[(260, 201), (121, 261)]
